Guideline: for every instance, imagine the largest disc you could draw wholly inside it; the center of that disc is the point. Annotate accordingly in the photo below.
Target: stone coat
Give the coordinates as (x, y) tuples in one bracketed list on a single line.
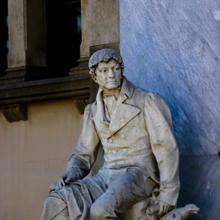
[(139, 134)]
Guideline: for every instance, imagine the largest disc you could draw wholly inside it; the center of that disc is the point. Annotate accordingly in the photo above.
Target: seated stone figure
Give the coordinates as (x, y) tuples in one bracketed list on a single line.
[(140, 152)]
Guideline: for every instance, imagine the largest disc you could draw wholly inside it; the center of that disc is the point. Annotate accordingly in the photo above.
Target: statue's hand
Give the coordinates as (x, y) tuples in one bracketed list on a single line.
[(165, 208), (68, 177), (56, 185)]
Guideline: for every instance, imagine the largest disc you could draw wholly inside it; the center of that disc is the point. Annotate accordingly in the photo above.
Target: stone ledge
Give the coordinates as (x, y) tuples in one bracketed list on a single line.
[(76, 86), (15, 112)]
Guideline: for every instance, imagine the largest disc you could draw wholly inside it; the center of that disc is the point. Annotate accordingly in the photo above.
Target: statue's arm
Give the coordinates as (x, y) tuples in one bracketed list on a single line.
[(164, 148), (83, 155)]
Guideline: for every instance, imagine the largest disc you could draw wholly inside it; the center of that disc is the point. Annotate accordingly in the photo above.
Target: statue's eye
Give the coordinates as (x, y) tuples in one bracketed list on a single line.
[(117, 68), (104, 70)]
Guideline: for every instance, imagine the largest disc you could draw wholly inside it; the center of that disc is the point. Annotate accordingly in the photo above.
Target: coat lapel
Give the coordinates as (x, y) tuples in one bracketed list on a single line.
[(121, 116), (99, 116), (124, 112)]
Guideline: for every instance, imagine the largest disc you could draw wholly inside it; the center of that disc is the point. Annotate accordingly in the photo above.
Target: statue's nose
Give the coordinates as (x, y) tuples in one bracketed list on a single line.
[(111, 73)]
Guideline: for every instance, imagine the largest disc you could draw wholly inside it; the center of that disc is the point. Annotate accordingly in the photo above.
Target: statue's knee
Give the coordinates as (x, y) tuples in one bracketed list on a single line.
[(54, 206), (97, 212)]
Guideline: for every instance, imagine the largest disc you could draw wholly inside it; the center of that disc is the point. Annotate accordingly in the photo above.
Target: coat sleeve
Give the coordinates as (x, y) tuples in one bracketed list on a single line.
[(164, 147), (84, 154)]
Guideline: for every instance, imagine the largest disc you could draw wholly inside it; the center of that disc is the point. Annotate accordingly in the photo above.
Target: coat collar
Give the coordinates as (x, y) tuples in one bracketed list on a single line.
[(122, 114), (127, 88)]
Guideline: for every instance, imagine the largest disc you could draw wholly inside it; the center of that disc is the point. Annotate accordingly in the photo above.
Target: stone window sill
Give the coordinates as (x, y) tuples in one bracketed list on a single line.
[(14, 97)]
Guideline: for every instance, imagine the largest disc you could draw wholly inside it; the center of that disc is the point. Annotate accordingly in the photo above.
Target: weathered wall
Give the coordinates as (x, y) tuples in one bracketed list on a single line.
[(27, 39), (103, 18), (173, 47), (100, 24), (33, 154)]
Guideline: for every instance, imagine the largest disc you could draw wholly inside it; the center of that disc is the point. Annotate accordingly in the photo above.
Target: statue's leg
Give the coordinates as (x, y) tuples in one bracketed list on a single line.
[(54, 208), (126, 190), (73, 201)]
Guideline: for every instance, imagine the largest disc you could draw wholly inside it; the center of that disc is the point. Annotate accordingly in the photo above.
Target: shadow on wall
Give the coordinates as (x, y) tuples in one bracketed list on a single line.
[(199, 184), (173, 48)]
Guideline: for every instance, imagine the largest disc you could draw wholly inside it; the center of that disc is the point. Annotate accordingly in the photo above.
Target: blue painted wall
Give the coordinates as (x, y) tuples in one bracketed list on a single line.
[(173, 47)]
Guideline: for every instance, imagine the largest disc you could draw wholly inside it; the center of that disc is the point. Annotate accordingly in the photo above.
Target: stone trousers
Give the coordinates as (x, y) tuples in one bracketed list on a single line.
[(107, 195)]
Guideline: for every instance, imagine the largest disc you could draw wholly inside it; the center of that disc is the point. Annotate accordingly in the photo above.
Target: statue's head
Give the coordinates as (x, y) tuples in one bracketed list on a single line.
[(106, 68)]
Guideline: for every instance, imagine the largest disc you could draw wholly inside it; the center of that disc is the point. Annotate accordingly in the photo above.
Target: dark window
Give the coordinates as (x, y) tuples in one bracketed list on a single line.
[(3, 36), (63, 35)]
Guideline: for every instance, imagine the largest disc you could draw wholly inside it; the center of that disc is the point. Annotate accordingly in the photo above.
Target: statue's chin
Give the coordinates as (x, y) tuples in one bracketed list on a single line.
[(112, 86)]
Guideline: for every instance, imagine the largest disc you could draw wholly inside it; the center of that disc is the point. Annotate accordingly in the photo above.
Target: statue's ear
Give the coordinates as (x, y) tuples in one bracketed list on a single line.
[(94, 77)]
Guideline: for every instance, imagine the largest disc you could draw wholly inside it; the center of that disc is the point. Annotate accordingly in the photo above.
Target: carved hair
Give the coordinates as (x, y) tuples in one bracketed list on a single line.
[(104, 55)]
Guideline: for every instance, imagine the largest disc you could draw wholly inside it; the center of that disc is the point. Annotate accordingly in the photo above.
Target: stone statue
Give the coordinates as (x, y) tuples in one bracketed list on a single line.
[(141, 157)]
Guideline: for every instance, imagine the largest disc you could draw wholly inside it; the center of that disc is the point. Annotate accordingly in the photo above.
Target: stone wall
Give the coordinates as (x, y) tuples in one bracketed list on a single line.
[(33, 154), (173, 48)]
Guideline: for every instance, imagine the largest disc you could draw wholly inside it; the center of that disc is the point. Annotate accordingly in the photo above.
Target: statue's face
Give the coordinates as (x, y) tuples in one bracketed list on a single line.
[(108, 75)]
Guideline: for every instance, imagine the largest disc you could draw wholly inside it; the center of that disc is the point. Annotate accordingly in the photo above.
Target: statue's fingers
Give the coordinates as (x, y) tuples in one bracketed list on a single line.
[(62, 183), (52, 187), (194, 211), (168, 207), (58, 185), (164, 208), (67, 180), (161, 210)]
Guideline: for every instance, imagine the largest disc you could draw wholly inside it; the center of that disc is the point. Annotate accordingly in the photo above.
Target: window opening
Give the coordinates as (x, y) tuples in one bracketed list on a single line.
[(63, 35), (3, 36)]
